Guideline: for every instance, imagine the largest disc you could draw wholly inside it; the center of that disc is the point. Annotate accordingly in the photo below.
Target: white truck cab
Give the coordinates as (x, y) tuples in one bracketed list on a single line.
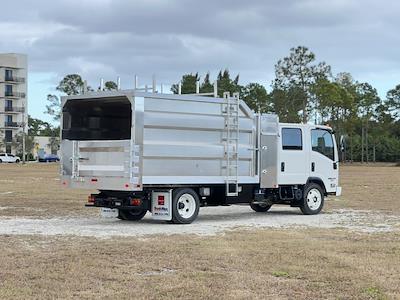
[(308, 152)]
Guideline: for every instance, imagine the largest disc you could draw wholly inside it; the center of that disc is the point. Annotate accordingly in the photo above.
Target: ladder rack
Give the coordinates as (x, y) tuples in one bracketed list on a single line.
[(230, 110)]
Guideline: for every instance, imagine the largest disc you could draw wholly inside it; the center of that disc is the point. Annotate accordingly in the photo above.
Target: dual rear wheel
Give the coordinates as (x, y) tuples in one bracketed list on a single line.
[(185, 208)]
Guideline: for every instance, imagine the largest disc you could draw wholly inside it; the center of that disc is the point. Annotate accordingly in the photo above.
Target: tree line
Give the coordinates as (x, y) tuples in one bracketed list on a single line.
[(304, 90)]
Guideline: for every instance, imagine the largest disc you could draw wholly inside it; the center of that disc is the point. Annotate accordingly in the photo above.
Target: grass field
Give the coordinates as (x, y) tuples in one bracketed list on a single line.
[(298, 263)]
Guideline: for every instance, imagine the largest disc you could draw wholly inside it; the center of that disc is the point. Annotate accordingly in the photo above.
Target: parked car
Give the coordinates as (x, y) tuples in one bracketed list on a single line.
[(49, 158), (9, 158)]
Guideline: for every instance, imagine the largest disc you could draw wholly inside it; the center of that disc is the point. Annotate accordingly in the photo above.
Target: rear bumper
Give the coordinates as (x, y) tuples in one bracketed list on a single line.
[(112, 202)]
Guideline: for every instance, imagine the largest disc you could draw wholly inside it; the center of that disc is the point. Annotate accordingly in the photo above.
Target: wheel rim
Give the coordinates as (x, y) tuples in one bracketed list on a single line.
[(314, 199), (186, 206)]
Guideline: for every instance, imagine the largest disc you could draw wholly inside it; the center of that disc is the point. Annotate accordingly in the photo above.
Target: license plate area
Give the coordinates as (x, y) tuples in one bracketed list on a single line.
[(109, 212)]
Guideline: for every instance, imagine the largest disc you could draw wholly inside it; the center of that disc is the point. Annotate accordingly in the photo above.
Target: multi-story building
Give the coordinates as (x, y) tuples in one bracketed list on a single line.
[(13, 99)]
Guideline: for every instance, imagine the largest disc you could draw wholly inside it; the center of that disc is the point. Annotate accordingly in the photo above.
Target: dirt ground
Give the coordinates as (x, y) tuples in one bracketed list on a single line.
[(252, 262)]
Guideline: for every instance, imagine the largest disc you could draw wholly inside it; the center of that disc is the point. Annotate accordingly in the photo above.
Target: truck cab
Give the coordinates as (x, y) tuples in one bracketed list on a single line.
[(299, 165), (308, 153)]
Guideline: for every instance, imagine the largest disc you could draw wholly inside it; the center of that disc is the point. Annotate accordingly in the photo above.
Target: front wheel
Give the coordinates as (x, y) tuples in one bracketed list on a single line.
[(132, 214), (313, 199), (185, 206), (260, 207)]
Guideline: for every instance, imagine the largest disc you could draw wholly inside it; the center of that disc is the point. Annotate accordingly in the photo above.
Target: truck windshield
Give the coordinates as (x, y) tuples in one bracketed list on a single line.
[(95, 119)]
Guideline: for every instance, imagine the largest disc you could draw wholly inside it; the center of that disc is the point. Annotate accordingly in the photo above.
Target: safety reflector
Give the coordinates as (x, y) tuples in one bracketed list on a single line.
[(161, 200)]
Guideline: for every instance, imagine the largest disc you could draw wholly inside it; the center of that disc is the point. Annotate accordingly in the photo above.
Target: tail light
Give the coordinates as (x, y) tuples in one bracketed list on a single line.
[(91, 198), (136, 202)]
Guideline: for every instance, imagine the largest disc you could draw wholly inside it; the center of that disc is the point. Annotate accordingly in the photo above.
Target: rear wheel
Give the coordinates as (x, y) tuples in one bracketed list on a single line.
[(313, 199), (185, 206), (132, 214), (260, 207), (17, 161)]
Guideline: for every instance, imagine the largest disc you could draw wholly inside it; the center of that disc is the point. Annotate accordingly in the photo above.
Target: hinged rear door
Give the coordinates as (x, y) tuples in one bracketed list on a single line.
[(105, 159)]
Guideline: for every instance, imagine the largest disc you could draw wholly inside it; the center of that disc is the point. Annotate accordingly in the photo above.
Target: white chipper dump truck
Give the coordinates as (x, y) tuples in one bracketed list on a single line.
[(169, 154)]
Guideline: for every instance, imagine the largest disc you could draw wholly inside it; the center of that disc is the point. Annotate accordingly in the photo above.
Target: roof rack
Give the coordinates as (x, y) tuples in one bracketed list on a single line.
[(153, 87)]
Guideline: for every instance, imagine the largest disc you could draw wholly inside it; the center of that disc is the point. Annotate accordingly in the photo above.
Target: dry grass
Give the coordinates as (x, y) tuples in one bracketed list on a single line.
[(257, 264), (372, 187), (34, 190)]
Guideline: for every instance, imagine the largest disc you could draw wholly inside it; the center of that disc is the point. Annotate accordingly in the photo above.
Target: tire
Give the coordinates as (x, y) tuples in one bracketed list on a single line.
[(1, 161), (259, 207), (17, 161), (313, 199), (185, 206), (131, 215)]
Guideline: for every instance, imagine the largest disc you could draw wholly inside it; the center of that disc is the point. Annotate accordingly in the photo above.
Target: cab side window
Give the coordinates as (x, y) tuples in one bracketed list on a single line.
[(292, 139), (322, 142)]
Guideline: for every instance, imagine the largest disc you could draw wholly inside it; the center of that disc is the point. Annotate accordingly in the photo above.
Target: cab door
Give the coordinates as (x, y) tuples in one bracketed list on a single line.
[(293, 158), (324, 158)]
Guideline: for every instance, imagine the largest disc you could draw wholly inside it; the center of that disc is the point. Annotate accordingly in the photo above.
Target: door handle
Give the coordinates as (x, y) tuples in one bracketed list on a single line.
[(313, 167), (282, 167), (83, 158)]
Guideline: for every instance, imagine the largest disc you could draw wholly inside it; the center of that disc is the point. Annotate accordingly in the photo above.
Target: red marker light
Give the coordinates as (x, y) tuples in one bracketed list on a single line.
[(161, 200)]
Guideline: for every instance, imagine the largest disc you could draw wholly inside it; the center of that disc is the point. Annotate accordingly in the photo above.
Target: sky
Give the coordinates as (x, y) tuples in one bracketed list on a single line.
[(111, 38)]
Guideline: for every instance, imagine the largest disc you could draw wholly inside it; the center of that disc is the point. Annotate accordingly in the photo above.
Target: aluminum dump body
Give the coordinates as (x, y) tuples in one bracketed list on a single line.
[(126, 140)]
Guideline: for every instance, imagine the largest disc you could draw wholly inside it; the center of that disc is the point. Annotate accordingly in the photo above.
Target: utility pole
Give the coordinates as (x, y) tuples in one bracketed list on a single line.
[(366, 143), (23, 136), (362, 143)]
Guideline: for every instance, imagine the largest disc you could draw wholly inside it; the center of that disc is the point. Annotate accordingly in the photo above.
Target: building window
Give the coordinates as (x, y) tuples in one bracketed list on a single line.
[(8, 136), (9, 105), (322, 142), (292, 139), (9, 90), (8, 148), (9, 75), (9, 118)]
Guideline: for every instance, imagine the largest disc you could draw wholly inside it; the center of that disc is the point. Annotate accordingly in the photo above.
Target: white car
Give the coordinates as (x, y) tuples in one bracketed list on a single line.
[(9, 158)]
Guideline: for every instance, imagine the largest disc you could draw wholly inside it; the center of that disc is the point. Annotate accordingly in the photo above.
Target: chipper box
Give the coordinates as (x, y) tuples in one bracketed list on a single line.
[(170, 154)]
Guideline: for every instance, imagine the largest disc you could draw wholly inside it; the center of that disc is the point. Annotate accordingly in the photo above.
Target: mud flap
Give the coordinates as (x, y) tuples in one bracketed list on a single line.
[(338, 191), (161, 205)]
